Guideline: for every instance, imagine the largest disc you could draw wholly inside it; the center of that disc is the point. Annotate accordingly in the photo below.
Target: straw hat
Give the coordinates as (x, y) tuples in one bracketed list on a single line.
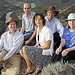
[(10, 19), (71, 16), (52, 8)]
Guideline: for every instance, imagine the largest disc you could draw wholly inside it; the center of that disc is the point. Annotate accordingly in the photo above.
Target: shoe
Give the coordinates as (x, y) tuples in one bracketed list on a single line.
[(37, 72), (26, 73)]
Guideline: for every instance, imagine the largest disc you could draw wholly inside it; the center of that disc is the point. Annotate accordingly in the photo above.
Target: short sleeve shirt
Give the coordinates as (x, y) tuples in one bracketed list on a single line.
[(28, 22), (44, 36), (69, 38)]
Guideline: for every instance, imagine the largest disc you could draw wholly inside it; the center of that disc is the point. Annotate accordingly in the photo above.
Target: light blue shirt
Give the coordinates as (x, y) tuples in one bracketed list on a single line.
[(55, 26), (28, 22)]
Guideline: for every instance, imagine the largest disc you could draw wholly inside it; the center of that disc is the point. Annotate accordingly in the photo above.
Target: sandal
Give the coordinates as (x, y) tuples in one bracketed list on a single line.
[(37, 72), (26, 73)]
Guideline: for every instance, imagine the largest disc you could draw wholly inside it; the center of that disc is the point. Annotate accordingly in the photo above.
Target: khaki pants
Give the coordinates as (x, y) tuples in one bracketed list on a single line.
[(12, 65)]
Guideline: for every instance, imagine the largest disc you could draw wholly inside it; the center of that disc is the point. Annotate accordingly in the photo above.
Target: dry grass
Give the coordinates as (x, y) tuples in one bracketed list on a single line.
[(59, 68)]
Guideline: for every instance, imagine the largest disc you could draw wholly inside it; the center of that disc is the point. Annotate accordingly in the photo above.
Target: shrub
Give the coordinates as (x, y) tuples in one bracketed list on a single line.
[(59, 68)]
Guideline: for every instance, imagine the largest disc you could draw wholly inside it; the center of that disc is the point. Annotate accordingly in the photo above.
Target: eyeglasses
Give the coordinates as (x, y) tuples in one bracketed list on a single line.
[(26, 8), (12, 24)]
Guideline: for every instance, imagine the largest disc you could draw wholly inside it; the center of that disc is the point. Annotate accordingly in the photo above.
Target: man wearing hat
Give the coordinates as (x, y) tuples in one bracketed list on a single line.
[(54, 24), (10, 45)]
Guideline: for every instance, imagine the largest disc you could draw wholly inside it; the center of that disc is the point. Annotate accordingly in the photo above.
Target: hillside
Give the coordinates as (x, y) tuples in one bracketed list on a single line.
[(65, 12), (16, 6)]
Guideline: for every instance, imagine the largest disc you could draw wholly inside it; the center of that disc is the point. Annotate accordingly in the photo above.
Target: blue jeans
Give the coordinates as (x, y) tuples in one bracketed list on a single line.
[(27, 35)]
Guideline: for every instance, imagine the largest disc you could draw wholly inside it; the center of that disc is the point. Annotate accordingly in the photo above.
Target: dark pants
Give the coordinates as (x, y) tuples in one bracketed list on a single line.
[(1, 67), (27, 35), (57, 40), (55, 57), (69, 56)]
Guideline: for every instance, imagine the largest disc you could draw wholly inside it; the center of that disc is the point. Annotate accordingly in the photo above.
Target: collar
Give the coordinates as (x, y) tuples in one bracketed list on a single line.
[(11, 33), (30, 15), (48, 20), (42, 28)]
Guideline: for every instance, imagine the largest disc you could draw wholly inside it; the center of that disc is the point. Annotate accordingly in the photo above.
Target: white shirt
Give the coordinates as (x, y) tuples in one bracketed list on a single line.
[(28, 22), (44, 36), (11, 43), (55, 26)]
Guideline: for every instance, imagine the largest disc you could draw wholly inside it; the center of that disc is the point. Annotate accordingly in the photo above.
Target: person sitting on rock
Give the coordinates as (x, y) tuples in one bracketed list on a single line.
[(10, 45), (68, 40), (27, 22), (39, 55)]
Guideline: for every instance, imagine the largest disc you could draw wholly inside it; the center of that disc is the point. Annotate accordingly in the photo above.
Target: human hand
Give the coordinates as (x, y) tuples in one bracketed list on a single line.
[(1, 60), (65, 52), (27, 42), (58, 50)]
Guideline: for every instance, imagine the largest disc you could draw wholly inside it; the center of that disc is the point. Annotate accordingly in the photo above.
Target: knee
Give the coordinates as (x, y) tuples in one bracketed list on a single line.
[(23, 50)]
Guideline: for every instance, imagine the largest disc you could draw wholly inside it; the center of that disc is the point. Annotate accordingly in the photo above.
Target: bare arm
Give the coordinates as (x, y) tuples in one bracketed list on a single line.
[(59, 49), (1, 60), (63, 42), (66, 51), (22, 30), (48, 43), (36, 45)]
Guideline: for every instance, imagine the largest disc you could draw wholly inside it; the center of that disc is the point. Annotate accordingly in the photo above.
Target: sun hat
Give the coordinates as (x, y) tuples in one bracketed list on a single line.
[(10, 19), (71, 16), (52, 8)]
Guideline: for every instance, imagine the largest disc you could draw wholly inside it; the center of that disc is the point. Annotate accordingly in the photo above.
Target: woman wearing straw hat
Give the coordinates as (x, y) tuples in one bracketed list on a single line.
[(68, 39)]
